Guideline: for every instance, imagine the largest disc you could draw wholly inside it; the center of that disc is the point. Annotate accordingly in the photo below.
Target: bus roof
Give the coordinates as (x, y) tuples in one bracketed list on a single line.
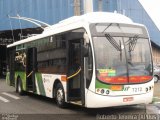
[(77, 22)]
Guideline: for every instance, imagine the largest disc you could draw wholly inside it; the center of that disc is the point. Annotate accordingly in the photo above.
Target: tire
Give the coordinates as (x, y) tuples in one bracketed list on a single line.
[(19, 87), (60, 96), (156, 78)]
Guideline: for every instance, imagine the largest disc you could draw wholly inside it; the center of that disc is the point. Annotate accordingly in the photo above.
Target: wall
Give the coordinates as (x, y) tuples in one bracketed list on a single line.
[(156, 53), (134, 10), (49, 11)]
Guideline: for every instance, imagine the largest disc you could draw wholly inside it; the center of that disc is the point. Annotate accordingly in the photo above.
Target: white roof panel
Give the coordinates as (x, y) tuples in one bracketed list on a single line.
[(76, 21)]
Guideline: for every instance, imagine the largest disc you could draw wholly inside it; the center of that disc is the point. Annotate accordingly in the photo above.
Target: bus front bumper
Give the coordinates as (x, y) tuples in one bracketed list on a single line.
[(94, 100)]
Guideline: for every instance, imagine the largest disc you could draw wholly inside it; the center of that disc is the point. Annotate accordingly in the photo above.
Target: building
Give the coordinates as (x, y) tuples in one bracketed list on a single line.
[(53, 11), (49, 11)]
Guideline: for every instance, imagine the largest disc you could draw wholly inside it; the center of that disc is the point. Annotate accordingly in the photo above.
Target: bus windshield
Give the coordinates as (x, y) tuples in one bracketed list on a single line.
[(122, 54)]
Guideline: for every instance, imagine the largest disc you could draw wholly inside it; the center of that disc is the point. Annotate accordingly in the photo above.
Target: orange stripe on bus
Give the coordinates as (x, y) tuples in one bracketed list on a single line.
[(116, 87), (63, 78)]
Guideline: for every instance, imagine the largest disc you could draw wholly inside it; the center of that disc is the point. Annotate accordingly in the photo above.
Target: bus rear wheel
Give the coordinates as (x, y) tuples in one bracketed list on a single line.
[(60, 96)]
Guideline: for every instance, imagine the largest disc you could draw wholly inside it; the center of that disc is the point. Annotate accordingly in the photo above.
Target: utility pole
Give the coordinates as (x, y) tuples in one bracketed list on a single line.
[(77, 7), (100, 5), (88, 6)]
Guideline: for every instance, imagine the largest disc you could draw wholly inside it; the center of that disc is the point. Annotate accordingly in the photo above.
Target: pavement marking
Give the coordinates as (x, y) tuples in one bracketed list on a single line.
[(3, 99), (10, 95)]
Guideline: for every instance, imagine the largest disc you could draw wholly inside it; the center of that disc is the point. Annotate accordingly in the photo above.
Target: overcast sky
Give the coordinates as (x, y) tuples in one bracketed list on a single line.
[(152, 7)]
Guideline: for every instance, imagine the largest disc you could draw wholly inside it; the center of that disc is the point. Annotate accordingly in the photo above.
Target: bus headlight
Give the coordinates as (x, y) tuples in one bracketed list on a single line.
[(147, 89), (102, 91), (107, 92)]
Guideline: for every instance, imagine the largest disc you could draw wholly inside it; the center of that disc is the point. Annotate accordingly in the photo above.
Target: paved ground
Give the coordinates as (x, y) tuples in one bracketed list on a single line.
[(157, 92), (15, 107)]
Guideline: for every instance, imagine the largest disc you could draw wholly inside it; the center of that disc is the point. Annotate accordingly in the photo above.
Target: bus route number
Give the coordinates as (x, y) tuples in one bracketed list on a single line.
[(139, 89)]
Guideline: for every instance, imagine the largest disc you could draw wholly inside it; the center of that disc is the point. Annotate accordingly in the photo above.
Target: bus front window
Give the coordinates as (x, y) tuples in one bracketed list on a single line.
[(122, 58), (138, 59), (110, 61)]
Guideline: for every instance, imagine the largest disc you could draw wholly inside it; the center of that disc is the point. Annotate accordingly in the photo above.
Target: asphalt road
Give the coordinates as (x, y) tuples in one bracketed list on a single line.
[(33, 107)]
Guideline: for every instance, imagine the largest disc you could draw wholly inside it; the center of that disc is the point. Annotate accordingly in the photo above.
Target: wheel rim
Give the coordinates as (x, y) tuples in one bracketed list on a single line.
[(59, 96), (155, 79)]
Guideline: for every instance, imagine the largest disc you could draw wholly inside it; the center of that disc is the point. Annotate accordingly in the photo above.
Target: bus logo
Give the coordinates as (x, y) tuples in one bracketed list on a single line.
[(126, 88)]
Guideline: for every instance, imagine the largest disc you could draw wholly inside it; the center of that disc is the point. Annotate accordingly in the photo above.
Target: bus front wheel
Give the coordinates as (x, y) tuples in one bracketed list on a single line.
[(156, 78), (60, 96)]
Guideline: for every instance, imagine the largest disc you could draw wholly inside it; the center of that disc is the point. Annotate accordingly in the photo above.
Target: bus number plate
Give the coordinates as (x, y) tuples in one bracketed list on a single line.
[(139, 89)]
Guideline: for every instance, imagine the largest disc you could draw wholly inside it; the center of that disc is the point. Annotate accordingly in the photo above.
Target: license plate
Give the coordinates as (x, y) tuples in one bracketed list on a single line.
[(127, 99)]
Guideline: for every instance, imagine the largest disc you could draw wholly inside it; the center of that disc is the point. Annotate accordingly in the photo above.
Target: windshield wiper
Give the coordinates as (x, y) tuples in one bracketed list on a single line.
[(111, 25), (107, 27), (132, 42), (113, 42)]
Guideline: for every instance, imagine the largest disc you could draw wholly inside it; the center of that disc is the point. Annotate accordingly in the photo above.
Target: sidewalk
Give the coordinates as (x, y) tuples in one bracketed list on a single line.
[(5, 87), (155, 107)]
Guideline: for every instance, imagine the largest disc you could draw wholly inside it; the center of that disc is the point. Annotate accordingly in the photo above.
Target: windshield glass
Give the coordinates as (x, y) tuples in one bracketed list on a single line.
[(123, 58)]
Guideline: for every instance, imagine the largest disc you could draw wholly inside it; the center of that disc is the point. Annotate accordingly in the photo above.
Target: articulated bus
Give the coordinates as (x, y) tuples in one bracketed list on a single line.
[(95, 60)]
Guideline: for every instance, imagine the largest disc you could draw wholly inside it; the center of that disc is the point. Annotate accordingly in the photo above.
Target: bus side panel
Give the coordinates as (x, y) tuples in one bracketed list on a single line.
[(44, 83), (39, 84), (10, 66), (22, 76)]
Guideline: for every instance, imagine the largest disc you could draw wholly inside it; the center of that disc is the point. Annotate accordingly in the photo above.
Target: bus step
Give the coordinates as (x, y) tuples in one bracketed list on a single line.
[(76, 102)]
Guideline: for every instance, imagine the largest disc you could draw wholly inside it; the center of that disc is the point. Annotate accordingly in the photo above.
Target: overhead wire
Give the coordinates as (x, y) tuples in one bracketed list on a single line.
[(14, 10), (21, 34)]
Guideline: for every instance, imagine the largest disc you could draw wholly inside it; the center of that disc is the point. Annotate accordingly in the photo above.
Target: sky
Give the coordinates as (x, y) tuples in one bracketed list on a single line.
[(152, 7)]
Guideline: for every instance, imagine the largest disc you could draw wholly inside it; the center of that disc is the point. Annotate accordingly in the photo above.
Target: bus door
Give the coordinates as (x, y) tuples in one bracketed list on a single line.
[(31, 68), (75, 84), (11, 56)]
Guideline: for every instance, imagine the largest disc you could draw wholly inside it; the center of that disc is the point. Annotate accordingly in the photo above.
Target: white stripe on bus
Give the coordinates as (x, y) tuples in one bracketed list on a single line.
[(37, 87), (10, 95), (3, 99)]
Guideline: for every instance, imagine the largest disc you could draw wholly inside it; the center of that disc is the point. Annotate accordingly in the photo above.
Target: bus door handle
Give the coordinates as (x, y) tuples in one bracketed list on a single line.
[(71, 76)]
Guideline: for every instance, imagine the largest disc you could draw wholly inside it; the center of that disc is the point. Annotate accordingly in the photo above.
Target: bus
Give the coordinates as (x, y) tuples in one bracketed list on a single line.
[(95, 60)]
